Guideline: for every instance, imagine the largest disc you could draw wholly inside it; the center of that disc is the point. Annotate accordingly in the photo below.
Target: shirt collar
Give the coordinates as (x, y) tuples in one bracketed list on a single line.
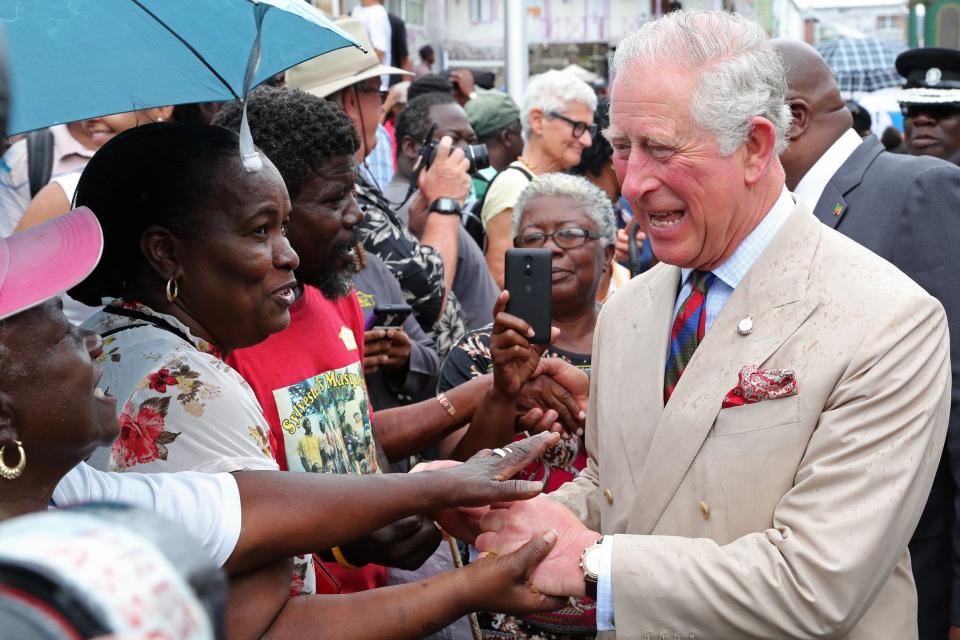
[(199, 343), (811, 186), (732, 270), (66, 145)]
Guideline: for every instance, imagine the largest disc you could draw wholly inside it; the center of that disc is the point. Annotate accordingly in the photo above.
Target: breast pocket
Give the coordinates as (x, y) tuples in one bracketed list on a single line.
[(758, 416)]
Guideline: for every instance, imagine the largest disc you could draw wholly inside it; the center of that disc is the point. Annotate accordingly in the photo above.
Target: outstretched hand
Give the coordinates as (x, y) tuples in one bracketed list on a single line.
[(486, 478), (504, 582), (506, 529)]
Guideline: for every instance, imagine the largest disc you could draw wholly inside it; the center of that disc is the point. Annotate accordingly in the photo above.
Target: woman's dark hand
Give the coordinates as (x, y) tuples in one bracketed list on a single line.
[(546, 393), (503, 583), (486, 477), (405, 544), (515, 360)]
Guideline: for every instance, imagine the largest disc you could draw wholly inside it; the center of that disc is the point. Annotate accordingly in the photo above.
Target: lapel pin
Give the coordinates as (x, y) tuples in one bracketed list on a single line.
[(745, 326), (837, 210)]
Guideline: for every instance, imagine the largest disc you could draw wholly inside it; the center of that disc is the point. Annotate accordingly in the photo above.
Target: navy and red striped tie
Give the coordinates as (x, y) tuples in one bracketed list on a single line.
[(688, 330)]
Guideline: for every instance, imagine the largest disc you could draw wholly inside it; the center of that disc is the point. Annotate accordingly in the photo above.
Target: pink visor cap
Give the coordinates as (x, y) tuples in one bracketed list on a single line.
[(46, 260)]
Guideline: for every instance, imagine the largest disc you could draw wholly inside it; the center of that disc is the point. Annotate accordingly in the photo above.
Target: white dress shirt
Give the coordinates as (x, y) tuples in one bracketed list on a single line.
[(812, 184), (729, 274)]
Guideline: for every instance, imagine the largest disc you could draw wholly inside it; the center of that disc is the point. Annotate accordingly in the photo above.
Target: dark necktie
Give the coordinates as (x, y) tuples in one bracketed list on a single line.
[(688, 330)]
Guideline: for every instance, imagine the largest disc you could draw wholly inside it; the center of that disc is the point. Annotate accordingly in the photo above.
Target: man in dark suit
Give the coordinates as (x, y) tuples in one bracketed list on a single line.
[(907, 210)]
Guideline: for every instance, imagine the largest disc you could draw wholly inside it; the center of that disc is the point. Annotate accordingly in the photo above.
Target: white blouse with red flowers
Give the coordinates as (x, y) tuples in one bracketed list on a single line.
[(180, 406)]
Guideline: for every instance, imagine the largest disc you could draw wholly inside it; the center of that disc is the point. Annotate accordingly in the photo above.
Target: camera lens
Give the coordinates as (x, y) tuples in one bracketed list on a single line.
[(527, 259), (478, 156)]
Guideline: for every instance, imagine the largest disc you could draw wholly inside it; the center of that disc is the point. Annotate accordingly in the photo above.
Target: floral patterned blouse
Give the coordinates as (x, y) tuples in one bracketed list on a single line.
[(180, 406)]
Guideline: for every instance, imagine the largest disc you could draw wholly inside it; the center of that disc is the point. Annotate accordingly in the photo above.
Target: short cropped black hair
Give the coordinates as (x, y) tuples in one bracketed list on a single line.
[(595, 157), (296, 130), (429, 83), (157, 174), (425, 51), (414, 120)]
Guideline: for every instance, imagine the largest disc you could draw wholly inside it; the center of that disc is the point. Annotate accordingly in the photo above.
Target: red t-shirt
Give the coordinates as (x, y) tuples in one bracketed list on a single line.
[(309, 381)]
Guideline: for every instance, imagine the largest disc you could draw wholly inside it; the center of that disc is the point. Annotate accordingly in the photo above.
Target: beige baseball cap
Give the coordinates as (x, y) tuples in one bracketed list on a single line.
[(333, 71)]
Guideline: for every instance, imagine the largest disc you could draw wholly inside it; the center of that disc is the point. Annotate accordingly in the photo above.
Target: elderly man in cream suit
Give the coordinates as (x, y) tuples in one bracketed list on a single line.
[(767, 406)]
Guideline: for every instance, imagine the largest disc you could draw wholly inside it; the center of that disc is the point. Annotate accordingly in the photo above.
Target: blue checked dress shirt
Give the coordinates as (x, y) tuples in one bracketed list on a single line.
[(379, 164), (729, 275)]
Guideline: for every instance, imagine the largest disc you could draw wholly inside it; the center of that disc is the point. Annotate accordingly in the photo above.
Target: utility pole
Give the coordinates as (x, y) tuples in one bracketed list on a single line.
[(515, 52)]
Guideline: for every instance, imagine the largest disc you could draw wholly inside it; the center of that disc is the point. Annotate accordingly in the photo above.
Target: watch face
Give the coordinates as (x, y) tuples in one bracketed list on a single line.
[(591, 561)]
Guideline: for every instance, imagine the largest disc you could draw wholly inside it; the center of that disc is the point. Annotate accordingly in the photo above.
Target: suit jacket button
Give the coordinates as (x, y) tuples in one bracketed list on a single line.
[(704, 510), (608, 495)]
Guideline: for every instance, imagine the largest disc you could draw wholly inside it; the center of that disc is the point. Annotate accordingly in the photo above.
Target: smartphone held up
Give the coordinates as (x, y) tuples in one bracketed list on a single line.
[(528, 278)]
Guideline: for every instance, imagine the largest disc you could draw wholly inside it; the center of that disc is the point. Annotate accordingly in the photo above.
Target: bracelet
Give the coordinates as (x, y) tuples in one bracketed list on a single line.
[(341, 559), (446, 404)]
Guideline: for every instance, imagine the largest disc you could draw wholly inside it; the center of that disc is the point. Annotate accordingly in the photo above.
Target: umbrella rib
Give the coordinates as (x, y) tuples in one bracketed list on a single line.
[(188, 46)]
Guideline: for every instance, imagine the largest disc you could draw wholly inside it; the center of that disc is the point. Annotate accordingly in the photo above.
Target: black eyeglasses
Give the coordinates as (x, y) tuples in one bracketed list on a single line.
[(935, 111), (579, 127), (566, 238)]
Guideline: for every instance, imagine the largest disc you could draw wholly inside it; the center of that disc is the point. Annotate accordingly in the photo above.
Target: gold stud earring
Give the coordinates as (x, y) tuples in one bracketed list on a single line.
[(173, 289), (12, 473)]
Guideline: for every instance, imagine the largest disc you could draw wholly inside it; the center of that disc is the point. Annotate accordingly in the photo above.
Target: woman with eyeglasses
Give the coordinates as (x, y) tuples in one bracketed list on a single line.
[(557, 118), (574, 220)]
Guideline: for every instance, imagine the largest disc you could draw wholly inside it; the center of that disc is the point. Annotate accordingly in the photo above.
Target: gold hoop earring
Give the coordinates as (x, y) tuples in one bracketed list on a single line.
[(173, 289), (12, 473)]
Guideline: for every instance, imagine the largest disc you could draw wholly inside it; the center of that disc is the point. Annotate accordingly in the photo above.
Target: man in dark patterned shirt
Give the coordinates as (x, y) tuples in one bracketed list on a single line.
[(425, 268)]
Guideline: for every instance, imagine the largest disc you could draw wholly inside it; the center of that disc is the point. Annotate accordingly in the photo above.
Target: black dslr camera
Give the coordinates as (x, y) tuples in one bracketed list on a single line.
[(476, 153)]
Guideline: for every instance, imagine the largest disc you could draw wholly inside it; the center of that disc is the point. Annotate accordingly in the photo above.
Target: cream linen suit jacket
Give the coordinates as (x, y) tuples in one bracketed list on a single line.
[(787, 518)]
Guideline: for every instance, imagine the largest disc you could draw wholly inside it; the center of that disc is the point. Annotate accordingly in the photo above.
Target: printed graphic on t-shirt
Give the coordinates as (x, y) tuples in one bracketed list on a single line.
[(326, 423)]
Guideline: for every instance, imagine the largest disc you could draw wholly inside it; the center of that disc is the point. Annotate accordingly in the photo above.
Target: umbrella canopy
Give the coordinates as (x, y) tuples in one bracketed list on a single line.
[(862, 64), (76, 59)]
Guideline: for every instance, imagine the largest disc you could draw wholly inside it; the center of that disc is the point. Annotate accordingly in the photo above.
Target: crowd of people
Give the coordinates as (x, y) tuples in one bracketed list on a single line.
[(745, 423)]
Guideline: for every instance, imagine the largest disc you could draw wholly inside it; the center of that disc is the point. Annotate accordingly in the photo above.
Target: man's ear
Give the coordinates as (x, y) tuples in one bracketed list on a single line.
[(410, 148), (759, 150), (159, 247), (800, 118), (503, 137)]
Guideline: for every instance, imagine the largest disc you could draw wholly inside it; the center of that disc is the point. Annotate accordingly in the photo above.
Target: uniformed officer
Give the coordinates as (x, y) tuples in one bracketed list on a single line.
[(931, 102)]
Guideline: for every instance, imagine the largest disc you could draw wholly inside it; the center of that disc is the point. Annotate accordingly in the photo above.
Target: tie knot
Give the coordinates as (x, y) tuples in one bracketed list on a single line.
[(701, 280)]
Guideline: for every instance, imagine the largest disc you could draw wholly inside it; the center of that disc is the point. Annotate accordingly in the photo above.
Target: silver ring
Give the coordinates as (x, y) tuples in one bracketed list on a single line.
[(500, 452), (508, 449)]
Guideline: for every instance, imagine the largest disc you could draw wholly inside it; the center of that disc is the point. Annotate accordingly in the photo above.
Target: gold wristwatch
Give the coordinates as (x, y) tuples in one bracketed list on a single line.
[(590, 563)]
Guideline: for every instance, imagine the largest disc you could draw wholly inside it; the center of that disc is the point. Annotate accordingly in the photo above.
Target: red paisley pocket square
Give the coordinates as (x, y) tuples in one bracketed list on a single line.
[(758, 385)]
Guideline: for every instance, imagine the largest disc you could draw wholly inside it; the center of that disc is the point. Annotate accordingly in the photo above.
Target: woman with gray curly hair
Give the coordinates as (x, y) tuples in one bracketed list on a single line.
[(557, 119), (574, 220)]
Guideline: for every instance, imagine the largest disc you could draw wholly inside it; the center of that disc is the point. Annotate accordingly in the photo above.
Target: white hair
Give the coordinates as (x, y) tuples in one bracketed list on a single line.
[(554, 91), (741, 76), (581, 191)]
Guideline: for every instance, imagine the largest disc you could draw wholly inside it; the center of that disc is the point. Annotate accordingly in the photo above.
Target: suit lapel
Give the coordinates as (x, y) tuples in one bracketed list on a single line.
[(832, 204), (647, 346), (774, 295)]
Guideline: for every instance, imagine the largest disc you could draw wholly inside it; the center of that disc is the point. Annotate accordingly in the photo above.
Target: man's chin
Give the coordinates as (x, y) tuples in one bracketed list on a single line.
[(333, 285)]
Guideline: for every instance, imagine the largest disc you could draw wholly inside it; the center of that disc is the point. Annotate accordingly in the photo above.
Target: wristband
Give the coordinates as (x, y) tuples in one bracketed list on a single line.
[(341, 559)]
